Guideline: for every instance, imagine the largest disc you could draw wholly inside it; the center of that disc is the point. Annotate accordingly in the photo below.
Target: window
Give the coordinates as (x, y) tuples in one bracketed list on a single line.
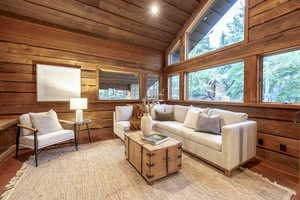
[(221, 25), (118, 86), (223, 83), (281, 78), (174, 56), (174, 87), (153, 87)]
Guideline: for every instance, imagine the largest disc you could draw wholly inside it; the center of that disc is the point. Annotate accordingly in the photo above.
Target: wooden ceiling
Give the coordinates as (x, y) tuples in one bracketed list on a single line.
[(123, 20)]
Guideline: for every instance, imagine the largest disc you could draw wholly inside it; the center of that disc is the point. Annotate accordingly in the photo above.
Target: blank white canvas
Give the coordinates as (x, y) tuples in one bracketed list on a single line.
[(57, 83)]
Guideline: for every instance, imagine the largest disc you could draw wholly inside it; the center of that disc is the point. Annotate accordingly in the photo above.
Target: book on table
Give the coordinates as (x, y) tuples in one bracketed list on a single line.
[(155, 138)]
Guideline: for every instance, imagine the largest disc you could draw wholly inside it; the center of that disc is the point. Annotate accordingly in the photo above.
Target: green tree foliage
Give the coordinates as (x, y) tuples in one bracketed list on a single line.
[(224, 83), (281, 77)]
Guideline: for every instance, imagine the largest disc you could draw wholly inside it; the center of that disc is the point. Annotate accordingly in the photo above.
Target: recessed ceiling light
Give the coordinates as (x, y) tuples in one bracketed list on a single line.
[(154, 9)]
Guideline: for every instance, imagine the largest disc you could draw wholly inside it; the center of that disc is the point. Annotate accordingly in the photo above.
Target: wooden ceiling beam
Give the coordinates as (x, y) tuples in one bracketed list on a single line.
[(129, 11), (167, 11), (74, 7), (187, 6), (74, 22)]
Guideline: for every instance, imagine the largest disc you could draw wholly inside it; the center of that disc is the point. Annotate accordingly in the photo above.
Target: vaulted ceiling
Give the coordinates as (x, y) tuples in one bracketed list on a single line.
[(124, 20)]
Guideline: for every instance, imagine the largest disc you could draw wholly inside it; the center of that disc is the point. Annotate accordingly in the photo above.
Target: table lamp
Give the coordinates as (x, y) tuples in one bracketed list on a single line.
[(78, 104)]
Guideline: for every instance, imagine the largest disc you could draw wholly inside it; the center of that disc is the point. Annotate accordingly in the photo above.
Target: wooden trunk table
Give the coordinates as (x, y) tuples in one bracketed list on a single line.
[(153, 161)]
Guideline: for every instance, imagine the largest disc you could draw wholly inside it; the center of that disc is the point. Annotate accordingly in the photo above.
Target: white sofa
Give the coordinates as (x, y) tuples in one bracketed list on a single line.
[(235, 146)]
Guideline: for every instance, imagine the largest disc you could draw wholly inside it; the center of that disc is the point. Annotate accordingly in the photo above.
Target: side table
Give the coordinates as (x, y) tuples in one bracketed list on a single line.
[(83, 123)]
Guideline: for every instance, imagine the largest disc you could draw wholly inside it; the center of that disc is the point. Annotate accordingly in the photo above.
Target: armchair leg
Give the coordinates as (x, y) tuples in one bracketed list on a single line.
[(228, 173), (36, 157), (18, 141), (75, 137), (36, 149), (89, 133)]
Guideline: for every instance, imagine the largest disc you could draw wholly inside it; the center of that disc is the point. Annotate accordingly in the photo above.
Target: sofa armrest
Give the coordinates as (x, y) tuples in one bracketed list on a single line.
[(239, 142), (114, 118)]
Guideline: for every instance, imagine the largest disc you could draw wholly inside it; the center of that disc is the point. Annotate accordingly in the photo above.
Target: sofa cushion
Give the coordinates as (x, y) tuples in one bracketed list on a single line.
[(210, 140), (123, 113), (47, 139), (192, 116), (45, 122), (229, 117), (26, 121), (123, 125), (170, 126), (180, 113)]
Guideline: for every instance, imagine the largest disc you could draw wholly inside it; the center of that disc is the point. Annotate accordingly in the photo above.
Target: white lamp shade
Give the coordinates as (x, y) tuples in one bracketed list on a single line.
[(78, 103)]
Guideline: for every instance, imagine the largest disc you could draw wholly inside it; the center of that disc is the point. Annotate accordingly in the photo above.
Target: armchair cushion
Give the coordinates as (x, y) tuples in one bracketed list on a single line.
[(45, 122), (47, 139), (26, 121)]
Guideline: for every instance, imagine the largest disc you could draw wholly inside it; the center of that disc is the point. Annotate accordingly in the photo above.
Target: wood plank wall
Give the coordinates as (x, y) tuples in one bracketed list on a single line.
[(23, 42), (273, 26)]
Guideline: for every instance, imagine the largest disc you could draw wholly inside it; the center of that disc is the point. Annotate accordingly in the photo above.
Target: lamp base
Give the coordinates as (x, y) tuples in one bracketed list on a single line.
[(79, 115)]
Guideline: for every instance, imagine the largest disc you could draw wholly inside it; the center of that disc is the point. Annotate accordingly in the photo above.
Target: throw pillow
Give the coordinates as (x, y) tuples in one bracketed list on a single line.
[(45, 122), (209, 124), (123, 113), (229, 117), (164, 116), (137, 114), (25, 120), (180, 113), (192, 116)]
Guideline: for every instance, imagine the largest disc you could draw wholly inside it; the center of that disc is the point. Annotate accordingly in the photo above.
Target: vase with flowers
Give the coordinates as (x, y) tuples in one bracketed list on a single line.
[(146, 121)]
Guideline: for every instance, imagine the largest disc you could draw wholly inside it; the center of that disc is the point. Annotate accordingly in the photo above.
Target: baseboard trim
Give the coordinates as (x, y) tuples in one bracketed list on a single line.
[(7, 153)]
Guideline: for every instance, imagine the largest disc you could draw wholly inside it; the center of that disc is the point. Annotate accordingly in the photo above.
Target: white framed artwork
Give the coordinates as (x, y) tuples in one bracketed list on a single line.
[(57, 83)]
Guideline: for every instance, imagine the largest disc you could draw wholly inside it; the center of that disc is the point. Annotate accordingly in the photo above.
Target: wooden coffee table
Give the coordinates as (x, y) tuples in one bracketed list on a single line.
[(153, 162)]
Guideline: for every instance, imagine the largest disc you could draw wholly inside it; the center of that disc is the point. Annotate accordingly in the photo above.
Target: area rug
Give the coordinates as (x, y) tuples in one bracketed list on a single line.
[(99, 171)]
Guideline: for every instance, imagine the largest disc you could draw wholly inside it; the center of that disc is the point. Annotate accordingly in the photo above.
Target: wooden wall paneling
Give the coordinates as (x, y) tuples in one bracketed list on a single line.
[(280, 161), (34, 35), (251, 82), (78, 24), (95, 14), (278, 128), (90, 2), (270, 10), (20, 50), (253, 3), (277, 25), (273, 143), (88, 62)]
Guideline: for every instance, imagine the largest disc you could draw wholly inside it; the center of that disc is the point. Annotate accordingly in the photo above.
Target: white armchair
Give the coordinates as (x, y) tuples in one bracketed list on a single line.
[(31, 137)]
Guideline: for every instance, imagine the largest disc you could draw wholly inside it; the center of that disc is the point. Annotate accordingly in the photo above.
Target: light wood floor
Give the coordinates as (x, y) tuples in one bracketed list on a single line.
[(9, 167)]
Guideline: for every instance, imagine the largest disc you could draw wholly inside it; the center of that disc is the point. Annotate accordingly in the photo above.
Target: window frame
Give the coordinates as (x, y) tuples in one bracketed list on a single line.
[(122, 72), (198, 17), (261, 80), (170, 87), (213, 102), (159, 84), (173, 49)]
